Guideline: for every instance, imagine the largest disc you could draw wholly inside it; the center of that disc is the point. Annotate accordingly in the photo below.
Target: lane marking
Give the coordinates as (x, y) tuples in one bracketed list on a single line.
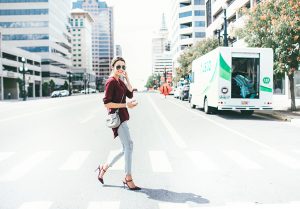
[(75, 161), (242, 161), (5, 155), (120, 164), (172, 131), (201, 161), (36, 205), (225, 127), (23, 168), (160, 162), (104, 205), (282, 158)]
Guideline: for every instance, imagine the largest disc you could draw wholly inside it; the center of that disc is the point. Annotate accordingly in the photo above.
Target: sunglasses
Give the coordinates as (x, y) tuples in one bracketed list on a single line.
[(119, 67)]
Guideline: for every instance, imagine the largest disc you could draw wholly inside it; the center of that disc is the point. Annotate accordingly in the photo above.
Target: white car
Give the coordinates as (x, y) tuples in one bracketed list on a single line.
[(64, 93), (89, 90), (55, 94), (60, 93)]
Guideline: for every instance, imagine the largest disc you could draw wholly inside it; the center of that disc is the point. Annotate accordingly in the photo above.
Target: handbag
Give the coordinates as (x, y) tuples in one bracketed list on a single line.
[(113, 119)]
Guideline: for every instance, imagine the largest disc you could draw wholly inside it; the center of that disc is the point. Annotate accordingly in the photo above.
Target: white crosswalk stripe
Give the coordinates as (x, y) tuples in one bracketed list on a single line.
[(160, 161), (201, 161), (36, 205), (24, 167), (282, 158), (104, 205), (5, 155), (242, 161), (75, 161)]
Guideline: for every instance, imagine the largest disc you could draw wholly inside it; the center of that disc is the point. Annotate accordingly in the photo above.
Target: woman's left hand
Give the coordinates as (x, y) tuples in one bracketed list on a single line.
[(126, 75)]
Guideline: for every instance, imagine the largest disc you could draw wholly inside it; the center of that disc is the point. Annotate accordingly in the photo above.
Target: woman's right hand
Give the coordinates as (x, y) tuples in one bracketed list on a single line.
[(132, 104)]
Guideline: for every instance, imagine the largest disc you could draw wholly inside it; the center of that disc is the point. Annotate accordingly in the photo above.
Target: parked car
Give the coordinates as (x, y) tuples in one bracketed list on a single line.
[(64, 93), (55, 94), (177, 91), (88, 90), (184, 92)]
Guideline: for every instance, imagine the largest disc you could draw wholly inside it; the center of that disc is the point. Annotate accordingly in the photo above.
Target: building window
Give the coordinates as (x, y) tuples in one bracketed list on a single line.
[(34, 24), (200, 35), (21, 1), (199, 2), (199, 24), (199, 13), (25, 37), (6, 12), (36, 49), (186, 25), (185, 14)]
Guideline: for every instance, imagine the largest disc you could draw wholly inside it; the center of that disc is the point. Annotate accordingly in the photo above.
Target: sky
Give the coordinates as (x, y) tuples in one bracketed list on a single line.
[(135, 22)]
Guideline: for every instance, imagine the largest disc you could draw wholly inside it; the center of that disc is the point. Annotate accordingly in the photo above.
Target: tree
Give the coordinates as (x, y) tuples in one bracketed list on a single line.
[(45, 89), (153, 80), (52, 85), (191, 53), (276, 24), (66, 86)]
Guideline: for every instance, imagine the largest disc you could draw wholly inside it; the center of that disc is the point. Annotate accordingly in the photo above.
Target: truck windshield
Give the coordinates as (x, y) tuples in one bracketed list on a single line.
[(245, 77)]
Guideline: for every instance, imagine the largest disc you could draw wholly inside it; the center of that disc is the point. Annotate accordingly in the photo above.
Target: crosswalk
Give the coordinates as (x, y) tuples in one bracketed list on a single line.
[(161, 161), (158, 159), (118, 205)]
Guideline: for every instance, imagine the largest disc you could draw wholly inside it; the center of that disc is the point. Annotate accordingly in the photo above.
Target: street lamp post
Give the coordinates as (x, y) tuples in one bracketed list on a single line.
[(219, 36), (70, 82), (88, 83), (224, 7), (84, 78), (23, 70)]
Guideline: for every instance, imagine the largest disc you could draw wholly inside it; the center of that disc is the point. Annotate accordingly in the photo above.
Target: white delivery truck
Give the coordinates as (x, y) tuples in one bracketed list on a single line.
[(229, 78)]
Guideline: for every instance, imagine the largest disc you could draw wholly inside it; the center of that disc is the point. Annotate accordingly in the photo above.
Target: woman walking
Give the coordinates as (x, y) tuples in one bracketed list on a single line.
[(116, 92)]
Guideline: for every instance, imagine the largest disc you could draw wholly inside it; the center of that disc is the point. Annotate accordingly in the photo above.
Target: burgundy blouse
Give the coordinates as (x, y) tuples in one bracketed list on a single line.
[(114, 91)]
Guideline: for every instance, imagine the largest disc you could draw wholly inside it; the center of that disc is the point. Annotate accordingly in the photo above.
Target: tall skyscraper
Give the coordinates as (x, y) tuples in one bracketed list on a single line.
[(81, 30), (187, 25), (161, 55), (102, 36), (42, 27)]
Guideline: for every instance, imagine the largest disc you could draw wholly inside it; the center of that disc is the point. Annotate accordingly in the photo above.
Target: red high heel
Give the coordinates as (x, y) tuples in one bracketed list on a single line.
[(100, 168), (130, 188)]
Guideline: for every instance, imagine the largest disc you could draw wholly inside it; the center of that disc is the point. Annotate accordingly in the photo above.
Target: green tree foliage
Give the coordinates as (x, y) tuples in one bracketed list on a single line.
[(52, 85), (153, 80), (46, 89), (191, 53), (66, 86), (276, 24)]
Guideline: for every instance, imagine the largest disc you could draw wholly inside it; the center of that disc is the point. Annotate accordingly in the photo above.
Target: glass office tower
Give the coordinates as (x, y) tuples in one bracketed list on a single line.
[(102, 37), (42, 27)]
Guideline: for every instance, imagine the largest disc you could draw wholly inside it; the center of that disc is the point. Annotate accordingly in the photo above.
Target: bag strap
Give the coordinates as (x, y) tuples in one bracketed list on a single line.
[(120, 102)]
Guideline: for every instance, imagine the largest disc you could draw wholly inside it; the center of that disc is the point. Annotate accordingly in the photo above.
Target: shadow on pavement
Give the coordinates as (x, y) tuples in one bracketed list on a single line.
[(174, 197), (236, 115)]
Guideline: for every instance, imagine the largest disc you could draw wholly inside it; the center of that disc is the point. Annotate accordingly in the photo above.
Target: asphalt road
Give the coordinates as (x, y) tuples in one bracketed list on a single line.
[(182, 157)]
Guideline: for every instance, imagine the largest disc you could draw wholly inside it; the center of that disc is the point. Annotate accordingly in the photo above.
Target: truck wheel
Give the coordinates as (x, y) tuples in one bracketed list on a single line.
[(207, 109), (247, 112), (191, 104)]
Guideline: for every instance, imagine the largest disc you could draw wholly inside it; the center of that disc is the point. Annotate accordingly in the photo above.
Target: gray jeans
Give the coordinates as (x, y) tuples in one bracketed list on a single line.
[(124, 136)]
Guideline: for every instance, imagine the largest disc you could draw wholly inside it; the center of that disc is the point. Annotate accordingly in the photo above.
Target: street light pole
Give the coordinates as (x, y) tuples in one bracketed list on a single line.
[(23, 83), (224, 7), (70, 82), (219, 36)]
